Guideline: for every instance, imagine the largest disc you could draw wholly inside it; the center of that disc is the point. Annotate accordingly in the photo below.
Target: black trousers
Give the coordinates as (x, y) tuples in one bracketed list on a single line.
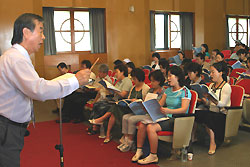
[(11, 143)]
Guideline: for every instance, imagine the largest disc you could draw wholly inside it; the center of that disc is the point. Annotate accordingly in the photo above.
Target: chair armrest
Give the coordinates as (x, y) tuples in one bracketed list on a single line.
[(232, 108), (182, 115)]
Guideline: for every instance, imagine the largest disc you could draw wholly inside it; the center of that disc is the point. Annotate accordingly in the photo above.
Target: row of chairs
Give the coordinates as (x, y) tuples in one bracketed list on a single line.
[(181, 135)]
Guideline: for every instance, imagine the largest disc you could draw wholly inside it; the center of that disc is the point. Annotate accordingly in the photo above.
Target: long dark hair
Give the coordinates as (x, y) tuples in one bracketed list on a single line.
[(221, 67), (177, 71)]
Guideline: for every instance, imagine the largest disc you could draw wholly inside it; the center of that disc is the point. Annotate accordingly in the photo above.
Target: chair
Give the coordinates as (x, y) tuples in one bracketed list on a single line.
[(147, 80), (231, 80), (245, 83), (110, 73), (113, 74), (146, 71), (226, 52), (234, 72), (230, 61), (182, 127), (234, 112)]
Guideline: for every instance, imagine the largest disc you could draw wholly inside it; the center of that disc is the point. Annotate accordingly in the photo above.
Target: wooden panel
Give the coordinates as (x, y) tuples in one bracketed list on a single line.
[(51, 62), (235, 7)]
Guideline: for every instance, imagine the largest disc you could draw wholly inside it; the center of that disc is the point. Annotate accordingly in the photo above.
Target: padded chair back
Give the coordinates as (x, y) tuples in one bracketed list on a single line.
[(193, 102), (233, 117), (234, 74), (110, 72), (237, 95), (146, 71), (226, 52), (246, 111), (231, 80), (231, 62), (147, 81), (245, 83)]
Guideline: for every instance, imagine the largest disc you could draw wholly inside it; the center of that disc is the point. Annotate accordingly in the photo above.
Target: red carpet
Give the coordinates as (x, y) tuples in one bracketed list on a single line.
[(80, 149)]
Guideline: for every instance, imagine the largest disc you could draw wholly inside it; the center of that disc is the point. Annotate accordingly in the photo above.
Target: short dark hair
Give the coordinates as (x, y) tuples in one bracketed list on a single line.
[(177, 71), (138, 74), (158, 76), (181, 52), (201, 56), (87, 63), (62, 65), (164, 63), (131, 65), (157, 55), (26, 20), (205, 46), (221, 67), (194, 67), (221, 55), (216, 50), (117, 62), (122, 68), (241, 51), (186, 61)]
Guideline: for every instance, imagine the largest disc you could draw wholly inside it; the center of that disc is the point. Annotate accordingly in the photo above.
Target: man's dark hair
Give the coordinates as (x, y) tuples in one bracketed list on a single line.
[(26, 20), (157, 55), (122, 68), (216, 50), (62, 65), (201, 56), (138, 74), (87, 63), (164, 63), (241, 51), (157, 75), (221, 55), (117, 62), (194, 67), (131, 65)]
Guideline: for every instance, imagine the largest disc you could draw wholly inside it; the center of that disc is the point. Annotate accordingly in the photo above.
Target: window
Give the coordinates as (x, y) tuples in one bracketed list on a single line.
[(238, 30), (72, 30), (167, 31)]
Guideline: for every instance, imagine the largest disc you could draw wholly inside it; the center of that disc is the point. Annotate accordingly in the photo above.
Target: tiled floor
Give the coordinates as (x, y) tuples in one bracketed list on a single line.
[(236, 154)]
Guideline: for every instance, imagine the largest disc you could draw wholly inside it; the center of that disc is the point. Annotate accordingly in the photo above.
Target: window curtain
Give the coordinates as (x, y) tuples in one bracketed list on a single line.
[(152, 30), (97, 30), (49, 31), (227, 33), (186, 22)]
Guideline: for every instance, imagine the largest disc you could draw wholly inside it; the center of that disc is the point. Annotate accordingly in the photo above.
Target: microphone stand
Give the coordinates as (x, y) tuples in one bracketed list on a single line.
[(59, 147)]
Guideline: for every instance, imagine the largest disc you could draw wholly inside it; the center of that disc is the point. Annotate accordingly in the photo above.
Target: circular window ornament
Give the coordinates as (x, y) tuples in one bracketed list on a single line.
[(83, 33), (176, 27), (239, 37)]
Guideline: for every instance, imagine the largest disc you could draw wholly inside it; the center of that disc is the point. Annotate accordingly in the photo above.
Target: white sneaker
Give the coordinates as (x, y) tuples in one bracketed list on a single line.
[(120, 146), (125, 148), (137, 156), (148, 160)]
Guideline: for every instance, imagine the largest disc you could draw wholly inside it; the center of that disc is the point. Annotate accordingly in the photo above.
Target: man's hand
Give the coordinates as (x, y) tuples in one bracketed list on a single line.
[(83, 76)]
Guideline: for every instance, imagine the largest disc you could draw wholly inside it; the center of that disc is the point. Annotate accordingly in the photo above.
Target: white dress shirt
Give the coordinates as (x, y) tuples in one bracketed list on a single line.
[(20, 83)]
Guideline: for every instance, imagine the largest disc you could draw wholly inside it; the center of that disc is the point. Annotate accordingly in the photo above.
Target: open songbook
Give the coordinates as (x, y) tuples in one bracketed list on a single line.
[(108, 85), (64, 76), (203, 89), (243, 75), (237, 64), (150, 106)]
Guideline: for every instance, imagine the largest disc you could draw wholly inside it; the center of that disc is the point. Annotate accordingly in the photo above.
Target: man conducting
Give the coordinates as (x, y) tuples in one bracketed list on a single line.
[(20, 83)]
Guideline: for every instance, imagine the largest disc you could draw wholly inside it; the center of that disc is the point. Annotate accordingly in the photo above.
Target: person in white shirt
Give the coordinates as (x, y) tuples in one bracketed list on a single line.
[(20, 84), (155, 61)]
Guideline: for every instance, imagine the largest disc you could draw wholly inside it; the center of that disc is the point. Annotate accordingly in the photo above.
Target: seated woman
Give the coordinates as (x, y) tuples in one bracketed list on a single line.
[(177, 98), (130, 66), (214, 118), (129, 121), (124, 84), (155, 61), (204, 50)]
